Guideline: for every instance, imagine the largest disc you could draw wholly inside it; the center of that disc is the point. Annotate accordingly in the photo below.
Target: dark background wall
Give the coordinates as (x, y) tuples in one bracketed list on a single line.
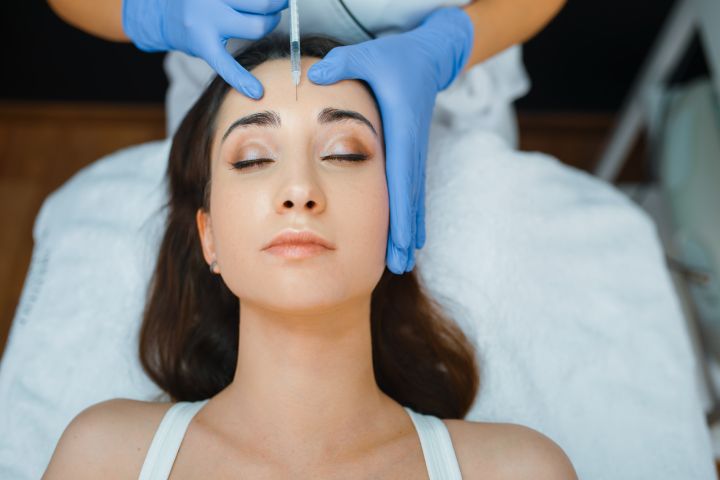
[(584, 60)]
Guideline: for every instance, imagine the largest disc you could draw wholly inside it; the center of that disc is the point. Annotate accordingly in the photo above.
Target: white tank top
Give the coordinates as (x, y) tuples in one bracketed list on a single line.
[(480, 98), (435, 441)]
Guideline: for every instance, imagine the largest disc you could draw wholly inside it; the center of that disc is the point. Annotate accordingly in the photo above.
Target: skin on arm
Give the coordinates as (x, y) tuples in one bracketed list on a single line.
[(499, 24), (107, 440), (509, 452), (101, 18)]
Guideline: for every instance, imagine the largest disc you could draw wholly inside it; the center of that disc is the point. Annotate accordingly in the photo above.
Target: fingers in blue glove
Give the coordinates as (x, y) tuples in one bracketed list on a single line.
[(234, 74), (250, 26), (263, 7), (336, 66), (396, 260), (246, 25), (411, 260), (420, 233), (401, 169)]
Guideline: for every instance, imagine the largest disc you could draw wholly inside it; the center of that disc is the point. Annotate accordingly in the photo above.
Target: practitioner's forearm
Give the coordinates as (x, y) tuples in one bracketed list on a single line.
[(502, 23), (102, 18)]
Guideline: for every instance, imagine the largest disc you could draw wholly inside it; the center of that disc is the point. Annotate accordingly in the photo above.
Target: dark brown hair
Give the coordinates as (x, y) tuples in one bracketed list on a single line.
[(189, 335)]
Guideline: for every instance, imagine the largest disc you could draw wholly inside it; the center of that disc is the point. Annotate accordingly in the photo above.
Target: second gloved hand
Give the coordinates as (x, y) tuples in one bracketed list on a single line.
[(405, 71), (201, 28)]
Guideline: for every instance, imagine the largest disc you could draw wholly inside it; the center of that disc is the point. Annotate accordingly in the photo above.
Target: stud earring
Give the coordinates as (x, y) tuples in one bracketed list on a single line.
[(213, 265)]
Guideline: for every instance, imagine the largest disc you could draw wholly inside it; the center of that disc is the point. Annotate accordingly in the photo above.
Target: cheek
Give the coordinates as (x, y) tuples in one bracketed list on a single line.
[(366, 215), (235, 219)]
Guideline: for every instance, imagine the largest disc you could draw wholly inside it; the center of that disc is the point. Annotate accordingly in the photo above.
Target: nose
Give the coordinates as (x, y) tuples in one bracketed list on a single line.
[(302, 193), (310, 204)]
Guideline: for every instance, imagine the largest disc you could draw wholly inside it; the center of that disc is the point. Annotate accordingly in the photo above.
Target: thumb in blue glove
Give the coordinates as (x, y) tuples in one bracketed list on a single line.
[(201, 28), (405, 71)]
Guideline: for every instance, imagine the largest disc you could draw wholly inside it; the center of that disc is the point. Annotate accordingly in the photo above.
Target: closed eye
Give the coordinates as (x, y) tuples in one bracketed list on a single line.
[(246, 164), (351, 157)]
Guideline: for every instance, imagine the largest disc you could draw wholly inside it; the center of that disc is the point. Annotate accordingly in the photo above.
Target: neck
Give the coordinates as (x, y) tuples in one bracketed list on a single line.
[(306, 381)]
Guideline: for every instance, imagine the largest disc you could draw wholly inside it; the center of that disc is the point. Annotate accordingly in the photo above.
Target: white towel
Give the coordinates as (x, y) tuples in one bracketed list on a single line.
[(563, 283)]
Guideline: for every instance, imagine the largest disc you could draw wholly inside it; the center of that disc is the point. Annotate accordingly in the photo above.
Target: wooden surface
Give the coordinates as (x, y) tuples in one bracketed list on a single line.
[(41, 146)]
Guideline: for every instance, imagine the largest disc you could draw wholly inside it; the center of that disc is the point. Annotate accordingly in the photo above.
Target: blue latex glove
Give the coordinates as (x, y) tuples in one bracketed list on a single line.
[(405, 71), (201, 28)]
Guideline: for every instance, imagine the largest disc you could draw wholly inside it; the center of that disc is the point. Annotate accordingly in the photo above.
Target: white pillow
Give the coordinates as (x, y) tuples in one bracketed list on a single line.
[(557, 278)]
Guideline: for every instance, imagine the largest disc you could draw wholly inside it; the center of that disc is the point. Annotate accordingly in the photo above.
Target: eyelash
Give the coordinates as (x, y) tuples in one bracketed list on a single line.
[(353, 157)]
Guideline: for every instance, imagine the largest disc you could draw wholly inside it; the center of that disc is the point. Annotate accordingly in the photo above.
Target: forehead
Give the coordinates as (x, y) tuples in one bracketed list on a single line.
[(311, 100)]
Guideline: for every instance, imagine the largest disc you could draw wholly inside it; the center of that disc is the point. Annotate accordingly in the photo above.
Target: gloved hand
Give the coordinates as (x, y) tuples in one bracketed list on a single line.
[(405, 72), (201, 28)]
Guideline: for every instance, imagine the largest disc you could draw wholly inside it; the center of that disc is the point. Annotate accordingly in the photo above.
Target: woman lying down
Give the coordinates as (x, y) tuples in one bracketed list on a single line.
[(288, 348)]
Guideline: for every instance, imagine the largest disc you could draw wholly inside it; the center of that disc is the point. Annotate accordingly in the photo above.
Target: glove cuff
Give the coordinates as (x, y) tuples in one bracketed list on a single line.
[(454, 31), (142, 21)]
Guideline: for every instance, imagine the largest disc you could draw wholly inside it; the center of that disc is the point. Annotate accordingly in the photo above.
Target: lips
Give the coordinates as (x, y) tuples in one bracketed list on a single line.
[(299, 240)]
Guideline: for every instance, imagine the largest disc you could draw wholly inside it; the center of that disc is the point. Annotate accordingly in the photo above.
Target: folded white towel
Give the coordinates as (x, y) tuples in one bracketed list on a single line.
[(558, 279)]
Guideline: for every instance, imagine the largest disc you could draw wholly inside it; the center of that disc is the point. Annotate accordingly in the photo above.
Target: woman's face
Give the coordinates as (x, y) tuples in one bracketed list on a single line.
[(297, 185)]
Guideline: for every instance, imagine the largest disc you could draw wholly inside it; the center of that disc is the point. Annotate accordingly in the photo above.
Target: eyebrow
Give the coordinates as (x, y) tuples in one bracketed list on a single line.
[(269, 118)]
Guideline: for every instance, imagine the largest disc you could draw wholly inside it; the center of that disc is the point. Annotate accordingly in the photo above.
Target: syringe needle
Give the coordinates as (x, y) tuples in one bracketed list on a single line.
[(295, 45)]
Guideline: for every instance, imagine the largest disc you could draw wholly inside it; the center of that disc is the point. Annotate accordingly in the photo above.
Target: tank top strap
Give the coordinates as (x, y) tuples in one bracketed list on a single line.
[(437, 447), (167, 440)]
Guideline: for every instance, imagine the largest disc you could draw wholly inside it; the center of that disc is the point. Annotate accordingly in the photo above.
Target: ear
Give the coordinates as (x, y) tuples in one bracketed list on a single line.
[(204, 225)]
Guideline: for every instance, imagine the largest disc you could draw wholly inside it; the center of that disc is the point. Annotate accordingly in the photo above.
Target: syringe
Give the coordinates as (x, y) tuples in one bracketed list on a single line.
[(295, 44)]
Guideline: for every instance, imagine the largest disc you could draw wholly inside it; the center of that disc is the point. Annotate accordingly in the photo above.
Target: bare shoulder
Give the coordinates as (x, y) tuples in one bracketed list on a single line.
[(107, 440), (507, 451)]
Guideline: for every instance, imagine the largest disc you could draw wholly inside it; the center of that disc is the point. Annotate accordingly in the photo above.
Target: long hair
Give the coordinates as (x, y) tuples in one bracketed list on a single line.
[(189, 334)]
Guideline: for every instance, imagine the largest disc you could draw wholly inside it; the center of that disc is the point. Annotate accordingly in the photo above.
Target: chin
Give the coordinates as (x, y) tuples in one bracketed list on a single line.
[(303, 303), (292, 289)]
